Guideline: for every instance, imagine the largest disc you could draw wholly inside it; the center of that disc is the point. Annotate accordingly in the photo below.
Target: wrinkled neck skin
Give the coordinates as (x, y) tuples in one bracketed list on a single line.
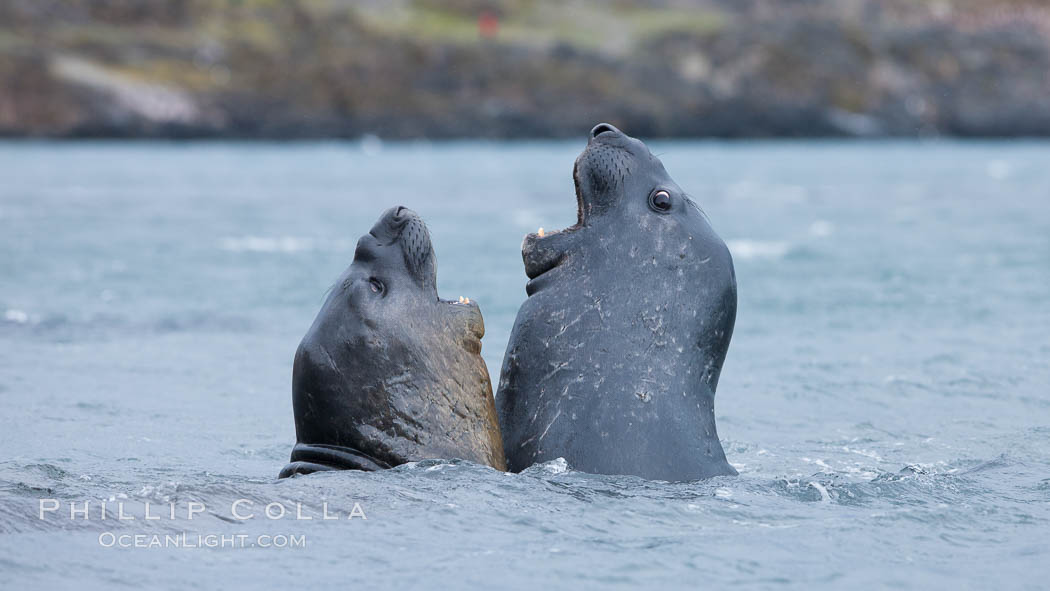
[(373, 371)]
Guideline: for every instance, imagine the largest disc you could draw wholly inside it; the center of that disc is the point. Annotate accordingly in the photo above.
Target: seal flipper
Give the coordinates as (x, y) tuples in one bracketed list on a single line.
[(303, 468), (307, 458)]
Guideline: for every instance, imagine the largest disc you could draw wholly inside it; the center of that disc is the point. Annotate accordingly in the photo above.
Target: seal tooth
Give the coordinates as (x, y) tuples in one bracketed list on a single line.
[(540, 233)]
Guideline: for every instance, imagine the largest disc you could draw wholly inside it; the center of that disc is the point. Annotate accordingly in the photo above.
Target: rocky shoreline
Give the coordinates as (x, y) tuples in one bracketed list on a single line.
[(262, 70)]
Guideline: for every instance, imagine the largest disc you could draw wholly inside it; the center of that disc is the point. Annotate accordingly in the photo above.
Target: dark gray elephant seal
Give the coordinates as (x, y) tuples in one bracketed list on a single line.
[(390, 373), (615, 355)]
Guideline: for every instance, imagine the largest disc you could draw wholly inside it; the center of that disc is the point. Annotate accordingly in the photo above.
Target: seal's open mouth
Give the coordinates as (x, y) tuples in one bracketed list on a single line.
[(599, 176), (307, 458), (543, 250)]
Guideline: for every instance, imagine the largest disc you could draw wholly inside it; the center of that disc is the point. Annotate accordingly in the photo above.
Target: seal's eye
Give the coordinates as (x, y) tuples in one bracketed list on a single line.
[(660, 201), (376, 285)]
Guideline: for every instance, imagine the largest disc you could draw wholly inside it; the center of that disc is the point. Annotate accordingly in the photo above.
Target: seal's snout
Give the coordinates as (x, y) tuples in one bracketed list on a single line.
[(397, 216), (418, 250), (602, 168), (390, 225), (402, 228), (604, 128)]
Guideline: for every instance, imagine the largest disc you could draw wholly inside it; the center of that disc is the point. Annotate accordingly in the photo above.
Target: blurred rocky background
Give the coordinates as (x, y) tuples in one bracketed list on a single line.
[(523, 68)]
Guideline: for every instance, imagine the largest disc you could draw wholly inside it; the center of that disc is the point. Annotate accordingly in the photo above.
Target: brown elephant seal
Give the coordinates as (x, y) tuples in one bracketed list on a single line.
[(389, 372)]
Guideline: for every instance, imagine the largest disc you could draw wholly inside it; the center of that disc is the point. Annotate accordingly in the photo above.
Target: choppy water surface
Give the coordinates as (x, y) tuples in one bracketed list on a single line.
[(886, 398)]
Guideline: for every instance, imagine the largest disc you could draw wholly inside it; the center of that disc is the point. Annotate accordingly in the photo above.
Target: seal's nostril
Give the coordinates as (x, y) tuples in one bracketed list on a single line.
[(400, 208), (602, 128)]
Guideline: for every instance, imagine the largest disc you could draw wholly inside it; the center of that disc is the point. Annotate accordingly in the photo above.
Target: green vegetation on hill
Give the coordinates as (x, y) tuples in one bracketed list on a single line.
[(523, 68)]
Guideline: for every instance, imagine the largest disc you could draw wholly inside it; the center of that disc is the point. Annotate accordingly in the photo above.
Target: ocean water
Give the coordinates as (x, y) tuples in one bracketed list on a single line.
[(886, 398)]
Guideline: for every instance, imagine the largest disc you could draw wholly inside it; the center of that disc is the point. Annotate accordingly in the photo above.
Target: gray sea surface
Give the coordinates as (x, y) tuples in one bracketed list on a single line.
[(886, 398)]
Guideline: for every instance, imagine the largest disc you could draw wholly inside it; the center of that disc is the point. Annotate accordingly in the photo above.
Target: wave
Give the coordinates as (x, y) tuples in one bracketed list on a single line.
[(282, 244), (16, 316), (285, 244), (60, 327), (757, 249)]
